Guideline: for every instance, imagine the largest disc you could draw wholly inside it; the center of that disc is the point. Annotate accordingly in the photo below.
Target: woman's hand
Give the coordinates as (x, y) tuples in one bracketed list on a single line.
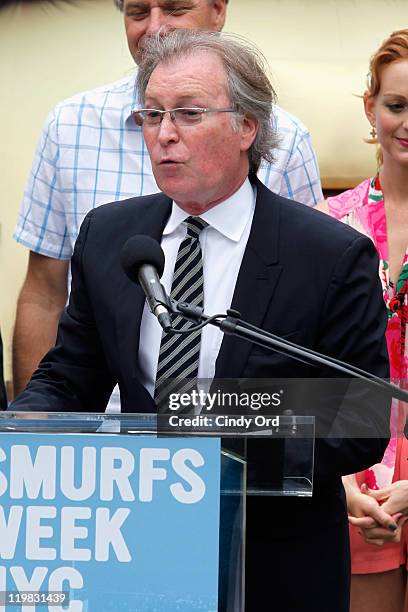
[(394, 498), (380, 535), (377, 525)]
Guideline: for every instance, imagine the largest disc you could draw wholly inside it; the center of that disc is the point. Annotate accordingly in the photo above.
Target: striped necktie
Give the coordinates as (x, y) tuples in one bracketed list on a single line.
[(177, 368)]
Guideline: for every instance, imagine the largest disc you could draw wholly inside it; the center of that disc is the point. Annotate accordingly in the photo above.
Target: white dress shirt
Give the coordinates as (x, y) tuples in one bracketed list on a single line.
[(223, 244)]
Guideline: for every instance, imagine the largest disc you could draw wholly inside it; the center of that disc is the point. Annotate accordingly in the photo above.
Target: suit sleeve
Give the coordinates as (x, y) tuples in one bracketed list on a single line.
[(353, 327), (74, 375)]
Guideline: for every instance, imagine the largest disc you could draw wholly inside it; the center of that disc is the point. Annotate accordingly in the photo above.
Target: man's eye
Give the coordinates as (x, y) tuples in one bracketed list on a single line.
[(177, 10), (152, 114), (189, 112), (137, 15)]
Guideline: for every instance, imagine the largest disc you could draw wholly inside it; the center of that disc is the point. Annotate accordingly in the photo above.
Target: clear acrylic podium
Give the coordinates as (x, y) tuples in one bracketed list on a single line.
[(120, 512)]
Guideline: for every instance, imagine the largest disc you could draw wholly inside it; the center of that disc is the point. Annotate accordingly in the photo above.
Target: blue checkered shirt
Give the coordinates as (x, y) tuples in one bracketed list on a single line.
[(91, 152)]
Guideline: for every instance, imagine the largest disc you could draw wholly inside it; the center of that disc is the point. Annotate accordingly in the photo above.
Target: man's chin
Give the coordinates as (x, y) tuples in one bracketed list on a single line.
[(170, 183), (182, 196)]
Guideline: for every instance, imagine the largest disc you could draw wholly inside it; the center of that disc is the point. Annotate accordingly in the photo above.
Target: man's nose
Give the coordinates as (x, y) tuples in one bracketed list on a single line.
[(157, 20), (168, 132)]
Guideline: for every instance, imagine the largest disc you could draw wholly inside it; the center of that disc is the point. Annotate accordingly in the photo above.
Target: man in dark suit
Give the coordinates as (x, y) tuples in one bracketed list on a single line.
[(284, 267)]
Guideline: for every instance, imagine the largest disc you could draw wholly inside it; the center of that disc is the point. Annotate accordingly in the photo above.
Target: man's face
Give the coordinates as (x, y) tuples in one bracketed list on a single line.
[(146, 17), (197, 165)]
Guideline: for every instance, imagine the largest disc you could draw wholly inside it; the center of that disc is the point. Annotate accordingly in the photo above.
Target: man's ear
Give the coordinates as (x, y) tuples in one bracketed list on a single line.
[(369, 103), (218, 14), (248, 129)]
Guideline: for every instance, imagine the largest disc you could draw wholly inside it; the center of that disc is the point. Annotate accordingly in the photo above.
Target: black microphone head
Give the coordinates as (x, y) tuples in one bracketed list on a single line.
[(140, 250)]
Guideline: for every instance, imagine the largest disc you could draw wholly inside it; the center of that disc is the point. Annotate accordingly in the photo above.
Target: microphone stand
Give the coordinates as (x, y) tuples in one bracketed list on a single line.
[(232, 324)]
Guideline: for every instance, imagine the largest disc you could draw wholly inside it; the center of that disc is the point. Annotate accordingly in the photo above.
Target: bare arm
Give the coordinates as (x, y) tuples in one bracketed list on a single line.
[(39, 306)]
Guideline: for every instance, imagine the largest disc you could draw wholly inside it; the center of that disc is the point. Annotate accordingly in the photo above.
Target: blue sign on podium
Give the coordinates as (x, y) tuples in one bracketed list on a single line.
[(116, 522)]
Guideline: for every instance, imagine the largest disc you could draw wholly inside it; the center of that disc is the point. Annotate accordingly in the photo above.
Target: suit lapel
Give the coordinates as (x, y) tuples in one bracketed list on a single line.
[(256, 283), (149, 221)]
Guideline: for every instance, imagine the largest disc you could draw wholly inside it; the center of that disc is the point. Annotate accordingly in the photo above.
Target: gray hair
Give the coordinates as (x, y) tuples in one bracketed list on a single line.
[(120, 3), (249, 88)]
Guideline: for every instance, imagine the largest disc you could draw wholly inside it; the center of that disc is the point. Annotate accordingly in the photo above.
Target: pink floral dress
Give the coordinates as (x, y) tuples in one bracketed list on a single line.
[(363, 209)]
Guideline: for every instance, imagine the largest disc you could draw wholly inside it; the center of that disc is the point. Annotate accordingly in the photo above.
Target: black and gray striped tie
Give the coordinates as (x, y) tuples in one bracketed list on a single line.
[(177, 368)]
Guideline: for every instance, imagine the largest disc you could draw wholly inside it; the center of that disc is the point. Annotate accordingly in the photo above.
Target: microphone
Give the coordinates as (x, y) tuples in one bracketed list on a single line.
[(142, 260)]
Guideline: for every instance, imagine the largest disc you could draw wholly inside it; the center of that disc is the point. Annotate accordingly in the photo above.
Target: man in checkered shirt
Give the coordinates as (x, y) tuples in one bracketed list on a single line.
[(91, 152)]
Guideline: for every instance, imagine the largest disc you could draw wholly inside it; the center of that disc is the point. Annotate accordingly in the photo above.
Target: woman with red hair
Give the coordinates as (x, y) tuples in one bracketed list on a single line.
[(378, 207)]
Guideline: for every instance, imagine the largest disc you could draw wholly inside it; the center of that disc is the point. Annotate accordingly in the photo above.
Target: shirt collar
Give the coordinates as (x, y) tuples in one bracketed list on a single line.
[(229, 217)]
